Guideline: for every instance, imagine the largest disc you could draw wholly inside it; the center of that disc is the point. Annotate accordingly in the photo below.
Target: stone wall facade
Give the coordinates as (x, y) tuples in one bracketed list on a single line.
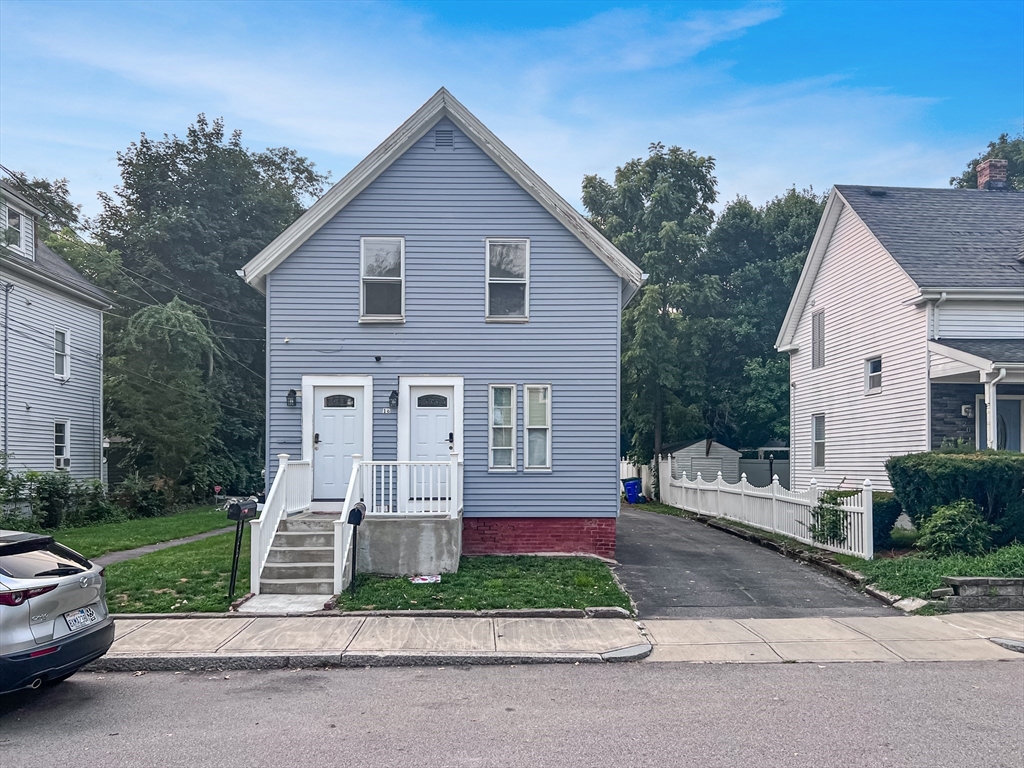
[(948, 423), (528, 535)]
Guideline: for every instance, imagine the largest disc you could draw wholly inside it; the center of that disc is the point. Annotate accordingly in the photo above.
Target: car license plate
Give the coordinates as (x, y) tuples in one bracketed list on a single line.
[(83, 617)]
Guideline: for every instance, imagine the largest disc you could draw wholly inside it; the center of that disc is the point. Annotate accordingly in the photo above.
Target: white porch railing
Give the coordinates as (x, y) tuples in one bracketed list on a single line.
[(289, 494), (395, 489), (772, 508)]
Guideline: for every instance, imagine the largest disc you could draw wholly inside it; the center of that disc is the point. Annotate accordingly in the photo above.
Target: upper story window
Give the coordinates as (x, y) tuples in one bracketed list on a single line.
[(17, 230), (382, 287), (818, 339), (61, 355), (873, 375), (508, 279)]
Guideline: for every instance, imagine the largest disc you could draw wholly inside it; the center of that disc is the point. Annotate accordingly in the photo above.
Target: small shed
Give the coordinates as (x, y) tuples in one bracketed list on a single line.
[(708, 457)]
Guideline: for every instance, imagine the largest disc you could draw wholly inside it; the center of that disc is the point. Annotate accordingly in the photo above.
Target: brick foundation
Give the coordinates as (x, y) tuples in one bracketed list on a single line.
[(522, 535)]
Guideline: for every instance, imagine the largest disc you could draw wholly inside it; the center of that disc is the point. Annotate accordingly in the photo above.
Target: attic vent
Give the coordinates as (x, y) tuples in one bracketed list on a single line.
[(444, 138), (876, 192)]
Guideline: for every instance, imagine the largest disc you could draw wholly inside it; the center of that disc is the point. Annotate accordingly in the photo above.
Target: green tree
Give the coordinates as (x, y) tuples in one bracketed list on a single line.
[(188, 213), (658, 213), (1003, 148)]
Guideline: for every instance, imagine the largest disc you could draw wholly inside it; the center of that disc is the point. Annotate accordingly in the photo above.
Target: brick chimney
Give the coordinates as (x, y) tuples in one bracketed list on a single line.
[(992, 174)]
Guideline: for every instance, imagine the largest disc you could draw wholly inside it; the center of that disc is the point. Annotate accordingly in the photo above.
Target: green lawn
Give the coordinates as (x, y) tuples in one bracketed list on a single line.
[(917, 575), (96, 540), (496, 582), (189, 577)]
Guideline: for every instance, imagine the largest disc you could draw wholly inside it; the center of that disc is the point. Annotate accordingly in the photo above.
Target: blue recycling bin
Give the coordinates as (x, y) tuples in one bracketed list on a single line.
[(633, 487)]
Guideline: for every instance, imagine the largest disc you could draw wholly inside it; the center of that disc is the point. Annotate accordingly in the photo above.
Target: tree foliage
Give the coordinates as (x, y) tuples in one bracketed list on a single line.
[(1003, 148)]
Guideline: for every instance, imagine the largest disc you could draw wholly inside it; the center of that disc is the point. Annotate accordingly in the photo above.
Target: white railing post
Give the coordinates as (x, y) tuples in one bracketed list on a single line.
[(255, 539), (775, 504), (454, 491), (869, 525)]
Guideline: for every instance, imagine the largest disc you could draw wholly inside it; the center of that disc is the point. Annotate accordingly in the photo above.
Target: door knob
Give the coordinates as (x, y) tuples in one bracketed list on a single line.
[(451, 439), (316, 441)]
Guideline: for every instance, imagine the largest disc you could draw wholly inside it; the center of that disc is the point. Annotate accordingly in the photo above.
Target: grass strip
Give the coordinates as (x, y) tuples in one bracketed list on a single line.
[(495, 582), (182, 579), (96, 540), (916, 575)]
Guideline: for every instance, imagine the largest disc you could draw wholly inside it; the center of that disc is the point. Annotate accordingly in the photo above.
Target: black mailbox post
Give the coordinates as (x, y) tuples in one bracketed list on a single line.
[(239, 511), (355, 518)]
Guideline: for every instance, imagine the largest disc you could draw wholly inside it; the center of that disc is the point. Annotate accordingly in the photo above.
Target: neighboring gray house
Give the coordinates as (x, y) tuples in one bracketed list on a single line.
[(51, 382), (442, 299), (907, 328)]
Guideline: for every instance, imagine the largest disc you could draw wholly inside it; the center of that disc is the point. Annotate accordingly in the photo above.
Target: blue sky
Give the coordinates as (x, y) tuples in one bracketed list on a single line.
[(781, 94)]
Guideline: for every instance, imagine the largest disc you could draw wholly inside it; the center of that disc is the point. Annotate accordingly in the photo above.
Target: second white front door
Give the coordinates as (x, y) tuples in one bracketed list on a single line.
[(337, 434), (431, 436)]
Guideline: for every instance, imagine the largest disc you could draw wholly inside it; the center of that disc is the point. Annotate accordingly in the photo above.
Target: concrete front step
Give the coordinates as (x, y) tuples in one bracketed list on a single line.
[(297, 586), (292, 539), (308, 523), (301, 555), (279, 571)]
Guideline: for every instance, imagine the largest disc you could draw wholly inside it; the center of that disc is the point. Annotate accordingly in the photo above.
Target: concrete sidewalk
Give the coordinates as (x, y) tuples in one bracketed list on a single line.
[(229, 641)]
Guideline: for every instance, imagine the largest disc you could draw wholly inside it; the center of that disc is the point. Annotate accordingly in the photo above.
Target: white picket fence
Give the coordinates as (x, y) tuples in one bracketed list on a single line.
[(772, 508)]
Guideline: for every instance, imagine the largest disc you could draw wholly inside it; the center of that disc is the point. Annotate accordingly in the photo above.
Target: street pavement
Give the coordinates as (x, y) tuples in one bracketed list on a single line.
[(678, 568), (946, 715)]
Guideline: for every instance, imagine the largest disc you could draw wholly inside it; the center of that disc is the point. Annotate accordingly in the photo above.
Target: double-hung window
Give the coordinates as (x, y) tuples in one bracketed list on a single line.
[(503, 427), (382, 286), (818, 441), (873, 375), (61, 445), (508, 279), (61, 355), (538, 426)]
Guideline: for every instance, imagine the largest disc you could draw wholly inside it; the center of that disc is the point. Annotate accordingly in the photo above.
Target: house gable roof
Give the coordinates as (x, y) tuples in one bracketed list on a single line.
[(943, 239), (441, 104)]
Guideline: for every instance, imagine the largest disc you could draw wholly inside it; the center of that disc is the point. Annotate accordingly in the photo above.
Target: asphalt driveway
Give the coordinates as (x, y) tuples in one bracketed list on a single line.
[(678, 568)]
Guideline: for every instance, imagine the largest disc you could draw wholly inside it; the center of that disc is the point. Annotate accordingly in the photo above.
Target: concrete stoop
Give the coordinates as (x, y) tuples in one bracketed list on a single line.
[(301, 559)]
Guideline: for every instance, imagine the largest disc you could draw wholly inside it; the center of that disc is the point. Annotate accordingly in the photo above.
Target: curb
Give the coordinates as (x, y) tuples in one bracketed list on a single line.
[(293, 660), (609, 612), (1010, 645)]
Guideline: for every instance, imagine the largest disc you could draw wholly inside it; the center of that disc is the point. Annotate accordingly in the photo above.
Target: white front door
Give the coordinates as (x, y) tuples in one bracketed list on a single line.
[(431, 437), (337, 434)]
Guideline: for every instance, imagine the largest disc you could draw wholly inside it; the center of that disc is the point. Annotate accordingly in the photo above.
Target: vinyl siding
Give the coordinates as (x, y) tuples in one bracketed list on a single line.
[(980, 320), (445, 203), (36, 399), (866, 299)]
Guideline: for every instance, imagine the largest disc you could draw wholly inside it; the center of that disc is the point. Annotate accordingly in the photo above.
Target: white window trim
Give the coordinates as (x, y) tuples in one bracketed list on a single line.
[(490, 428), (363, 317), (979, 401), (525, 317), (67, 444), (868, 389), (67, 354), (815, 441), (527, 467), (21, 246)]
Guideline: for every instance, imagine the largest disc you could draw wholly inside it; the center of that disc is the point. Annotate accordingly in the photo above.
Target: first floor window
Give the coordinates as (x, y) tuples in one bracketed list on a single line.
[(538, 426), (61, 445), (503, 426), (508, 278), (873, 374), (819, 440), (383, 278), (61, 363)]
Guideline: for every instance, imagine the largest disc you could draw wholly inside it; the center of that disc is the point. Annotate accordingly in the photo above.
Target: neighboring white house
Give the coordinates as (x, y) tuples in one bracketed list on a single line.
[(906, 328), (51, 335)]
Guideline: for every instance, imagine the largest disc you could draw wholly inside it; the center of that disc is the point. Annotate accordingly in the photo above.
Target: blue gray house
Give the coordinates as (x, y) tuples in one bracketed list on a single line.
[(51, 382), (446, 318)]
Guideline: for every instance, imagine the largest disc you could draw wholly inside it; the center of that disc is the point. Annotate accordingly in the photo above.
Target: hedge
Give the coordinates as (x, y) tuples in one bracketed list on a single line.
[(994, 480), (885, 510)]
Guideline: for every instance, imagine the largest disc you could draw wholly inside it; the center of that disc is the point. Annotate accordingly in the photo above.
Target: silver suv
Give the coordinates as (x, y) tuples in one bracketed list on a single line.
[(53, 611)]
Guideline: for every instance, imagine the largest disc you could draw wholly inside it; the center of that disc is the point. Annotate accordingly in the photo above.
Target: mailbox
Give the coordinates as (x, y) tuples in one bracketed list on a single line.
[(242, 510)]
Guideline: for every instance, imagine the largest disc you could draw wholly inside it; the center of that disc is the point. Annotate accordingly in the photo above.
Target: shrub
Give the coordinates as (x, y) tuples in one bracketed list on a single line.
[(139, 498), (885, 509), (992, 479), (956, 528), (828, 519)]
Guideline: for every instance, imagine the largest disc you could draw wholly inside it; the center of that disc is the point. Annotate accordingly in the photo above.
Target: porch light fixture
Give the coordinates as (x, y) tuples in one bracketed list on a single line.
[(290, 398), (393, 399)]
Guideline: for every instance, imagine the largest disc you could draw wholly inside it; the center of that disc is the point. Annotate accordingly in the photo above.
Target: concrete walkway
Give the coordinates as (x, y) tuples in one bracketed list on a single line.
[(678, 568), (231, 641), (130, 554)]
